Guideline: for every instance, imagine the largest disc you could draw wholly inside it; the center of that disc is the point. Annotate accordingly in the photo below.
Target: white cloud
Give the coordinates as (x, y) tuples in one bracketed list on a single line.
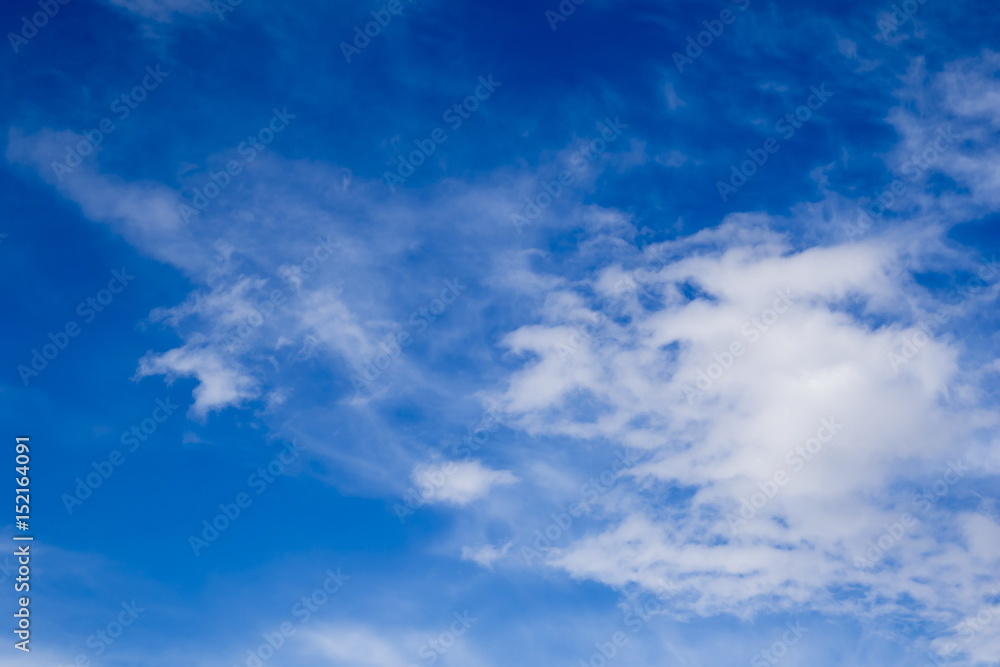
[(458, 483), (220, 383), (725, 382), (354, 646), (486, 555)]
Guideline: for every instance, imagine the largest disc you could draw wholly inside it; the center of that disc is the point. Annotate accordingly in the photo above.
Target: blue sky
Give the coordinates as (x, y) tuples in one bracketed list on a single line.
[(673, 341)]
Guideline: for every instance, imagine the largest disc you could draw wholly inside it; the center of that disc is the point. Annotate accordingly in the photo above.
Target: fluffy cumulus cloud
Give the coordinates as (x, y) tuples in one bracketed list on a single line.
[(459, 482), (814, 406)]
